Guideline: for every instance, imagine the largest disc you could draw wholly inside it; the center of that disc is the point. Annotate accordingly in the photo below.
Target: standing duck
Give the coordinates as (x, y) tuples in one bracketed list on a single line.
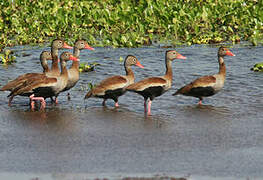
[(41, 88), (113, 87), (55, 71), (73, 71), (55, 46), (207, 85), (20, 80), (155, 86), (44, 56)]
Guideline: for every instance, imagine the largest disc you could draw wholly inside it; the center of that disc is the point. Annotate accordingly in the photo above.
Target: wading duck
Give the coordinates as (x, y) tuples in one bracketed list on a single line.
[(15, 84), (55, 46), (73, 71), (207, 85), (41, 88), (113, 87), (155, 86), (53, 72)]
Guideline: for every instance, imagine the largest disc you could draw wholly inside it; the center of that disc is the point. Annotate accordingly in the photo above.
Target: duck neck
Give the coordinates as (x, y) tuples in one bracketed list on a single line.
[(75, 64), (63, 65), (129, 73), (44, 65), (54, 53), (169, 71), (222, 66)]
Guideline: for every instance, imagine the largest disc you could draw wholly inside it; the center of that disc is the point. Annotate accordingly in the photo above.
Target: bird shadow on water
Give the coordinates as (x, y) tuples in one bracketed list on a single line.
[(52, 117), (202, 111), (209, 111), (123, 114)]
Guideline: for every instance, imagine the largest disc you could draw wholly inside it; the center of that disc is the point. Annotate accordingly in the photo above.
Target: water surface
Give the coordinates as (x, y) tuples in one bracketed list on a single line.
[(221, 139)]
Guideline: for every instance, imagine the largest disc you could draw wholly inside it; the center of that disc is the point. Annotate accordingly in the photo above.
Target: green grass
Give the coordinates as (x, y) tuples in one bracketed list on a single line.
[(7, 57), (131, 23), (257, 67)]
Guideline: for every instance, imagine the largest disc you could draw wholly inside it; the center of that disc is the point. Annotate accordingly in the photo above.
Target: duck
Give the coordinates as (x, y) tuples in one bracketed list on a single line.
[(113, 87), (73, 71), (153, 87), (44, 87), (44, 56), (56, 45), (209, 85), (20, 80)]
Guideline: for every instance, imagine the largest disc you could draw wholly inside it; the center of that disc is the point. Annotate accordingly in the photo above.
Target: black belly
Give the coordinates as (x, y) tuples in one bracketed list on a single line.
[(113, 94), (44, 92), (201, 92), (152, 92)]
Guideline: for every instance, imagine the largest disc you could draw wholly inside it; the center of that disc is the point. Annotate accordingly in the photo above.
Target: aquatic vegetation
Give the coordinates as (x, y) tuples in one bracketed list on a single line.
[(131, 23), (257, 67), (87, 67), (7, 57)]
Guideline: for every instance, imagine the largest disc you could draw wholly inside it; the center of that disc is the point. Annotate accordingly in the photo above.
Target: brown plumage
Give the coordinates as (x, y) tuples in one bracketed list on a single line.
[(45, 55), (21, 80), (73, 71), (146, 83), (113, 87), (46, 86), (207, 85), (155, 86), (55, 46)]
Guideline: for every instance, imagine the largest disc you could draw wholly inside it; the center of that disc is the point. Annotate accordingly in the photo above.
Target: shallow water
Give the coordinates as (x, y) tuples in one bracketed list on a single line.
[(221, 139)]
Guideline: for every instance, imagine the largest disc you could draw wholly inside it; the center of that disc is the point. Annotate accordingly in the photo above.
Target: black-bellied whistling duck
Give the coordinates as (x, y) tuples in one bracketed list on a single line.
[(53, 72), (155, 86), (40, 89), (73, 71), (207, 85), (113, 87), (20, 80), (55, 46)]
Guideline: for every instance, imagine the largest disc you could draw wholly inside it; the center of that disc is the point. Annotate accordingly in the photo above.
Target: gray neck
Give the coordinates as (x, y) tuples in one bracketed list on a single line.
[(44, 65), (222, 67), (54, 53), (76, 52), (63, 67), (168, 64)]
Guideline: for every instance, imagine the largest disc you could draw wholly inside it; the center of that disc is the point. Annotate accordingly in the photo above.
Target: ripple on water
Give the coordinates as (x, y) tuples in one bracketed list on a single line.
[(81, 136)]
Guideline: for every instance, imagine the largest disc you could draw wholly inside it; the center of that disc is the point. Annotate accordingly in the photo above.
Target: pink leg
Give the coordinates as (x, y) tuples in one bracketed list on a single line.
[(145, 106), (149, 107), (43, 104), (116, 104), (56, 100), (10, 100), (200, 102), (32, 103), (33, 98)]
